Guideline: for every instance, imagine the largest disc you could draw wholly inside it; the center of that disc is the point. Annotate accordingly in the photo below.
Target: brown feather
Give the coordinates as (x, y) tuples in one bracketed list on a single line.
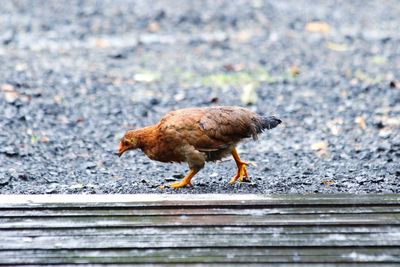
[(196, 135)]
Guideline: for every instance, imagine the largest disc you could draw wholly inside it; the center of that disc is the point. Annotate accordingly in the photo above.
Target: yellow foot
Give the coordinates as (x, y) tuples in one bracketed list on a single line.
[(242, 173), (185, 181), (180, 184)]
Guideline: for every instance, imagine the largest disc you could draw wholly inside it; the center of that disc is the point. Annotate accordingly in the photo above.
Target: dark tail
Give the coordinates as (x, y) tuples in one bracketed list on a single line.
[(269, 122), (262, 123)]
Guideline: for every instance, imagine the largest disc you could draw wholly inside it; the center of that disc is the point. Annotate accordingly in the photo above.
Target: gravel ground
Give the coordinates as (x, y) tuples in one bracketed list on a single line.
[(75, 75)]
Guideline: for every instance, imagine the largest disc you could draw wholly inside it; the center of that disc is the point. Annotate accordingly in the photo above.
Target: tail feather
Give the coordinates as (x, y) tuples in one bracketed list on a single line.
[(269, 122), (264, 123)]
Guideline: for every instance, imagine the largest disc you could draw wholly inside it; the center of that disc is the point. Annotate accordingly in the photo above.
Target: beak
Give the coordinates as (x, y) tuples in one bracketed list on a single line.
[(121, 151)]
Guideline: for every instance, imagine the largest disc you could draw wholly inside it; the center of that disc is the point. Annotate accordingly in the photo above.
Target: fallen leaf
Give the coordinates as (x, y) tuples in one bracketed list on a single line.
[(244, 36), (229, 67), (321, 148), (361, 122), (318, 26), (322, 145), (44, 139), (10, 94), (102, 43), (234, 67), (11, 97), (337, 47), (57, 99), (294, 70), (7, 88), (153, 27), (328, 182), (249, 94)]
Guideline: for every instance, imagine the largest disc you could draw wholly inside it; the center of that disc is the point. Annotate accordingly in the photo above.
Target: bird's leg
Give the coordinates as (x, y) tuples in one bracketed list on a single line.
[(186, 181), (242, 171)]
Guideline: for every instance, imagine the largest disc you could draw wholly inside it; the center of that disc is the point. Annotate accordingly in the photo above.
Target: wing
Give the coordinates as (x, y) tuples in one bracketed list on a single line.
[(182, 127), (228, 125), (208, 129)]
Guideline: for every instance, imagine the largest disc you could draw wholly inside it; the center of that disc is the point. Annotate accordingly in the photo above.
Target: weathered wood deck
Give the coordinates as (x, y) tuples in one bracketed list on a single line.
[(200, 229)]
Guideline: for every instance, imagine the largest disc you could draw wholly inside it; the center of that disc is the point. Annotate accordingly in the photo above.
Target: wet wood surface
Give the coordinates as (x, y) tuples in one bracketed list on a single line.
[(308, 230)]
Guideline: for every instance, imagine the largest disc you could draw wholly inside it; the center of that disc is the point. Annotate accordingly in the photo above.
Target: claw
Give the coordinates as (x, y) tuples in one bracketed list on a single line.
[(242, 173), (247, 163), (252, 163), (185, 181), (180, 184)]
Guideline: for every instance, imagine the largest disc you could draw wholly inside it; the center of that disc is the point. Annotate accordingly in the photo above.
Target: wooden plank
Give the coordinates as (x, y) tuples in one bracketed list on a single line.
[(199, 230), (96, 212), (198, 259), (204, 229), (223, 220), (201, 241), (231, 255), (199, 200)]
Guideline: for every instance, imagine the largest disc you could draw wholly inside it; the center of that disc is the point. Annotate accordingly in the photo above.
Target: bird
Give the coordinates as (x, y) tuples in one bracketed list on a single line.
[(198, 135)]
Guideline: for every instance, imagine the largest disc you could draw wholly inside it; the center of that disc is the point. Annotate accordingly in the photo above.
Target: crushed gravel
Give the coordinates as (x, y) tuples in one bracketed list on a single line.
[(75, 75)]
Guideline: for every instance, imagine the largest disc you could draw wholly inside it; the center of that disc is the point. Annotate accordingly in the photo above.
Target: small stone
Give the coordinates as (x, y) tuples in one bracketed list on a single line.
[(77, 186), (90, 165), (7, 37), (10, 151), (394, 84), (118, 55), (380, 125), (53, 188), (23, 176), (154, 101), (4, 179), (214, 174)]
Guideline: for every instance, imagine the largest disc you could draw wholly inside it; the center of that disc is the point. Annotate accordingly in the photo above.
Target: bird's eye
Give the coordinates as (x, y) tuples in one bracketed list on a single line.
[(126, 143)]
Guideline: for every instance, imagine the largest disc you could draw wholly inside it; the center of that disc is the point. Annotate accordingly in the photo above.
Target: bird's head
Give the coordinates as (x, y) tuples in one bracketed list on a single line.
[(128, 142)]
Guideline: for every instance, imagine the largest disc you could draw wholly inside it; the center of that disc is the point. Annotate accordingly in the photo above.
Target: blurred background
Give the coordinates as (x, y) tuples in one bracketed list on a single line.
[(75, 75)]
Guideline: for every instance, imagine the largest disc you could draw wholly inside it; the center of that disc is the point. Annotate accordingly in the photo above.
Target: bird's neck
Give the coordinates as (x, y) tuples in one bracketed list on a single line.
[(146, 136)]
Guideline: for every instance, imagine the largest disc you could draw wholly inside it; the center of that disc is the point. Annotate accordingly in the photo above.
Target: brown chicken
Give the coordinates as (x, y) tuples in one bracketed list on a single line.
[(197, 135)]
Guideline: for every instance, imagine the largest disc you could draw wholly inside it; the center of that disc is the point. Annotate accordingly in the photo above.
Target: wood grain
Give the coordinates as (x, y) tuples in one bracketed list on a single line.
[(200, 229)]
